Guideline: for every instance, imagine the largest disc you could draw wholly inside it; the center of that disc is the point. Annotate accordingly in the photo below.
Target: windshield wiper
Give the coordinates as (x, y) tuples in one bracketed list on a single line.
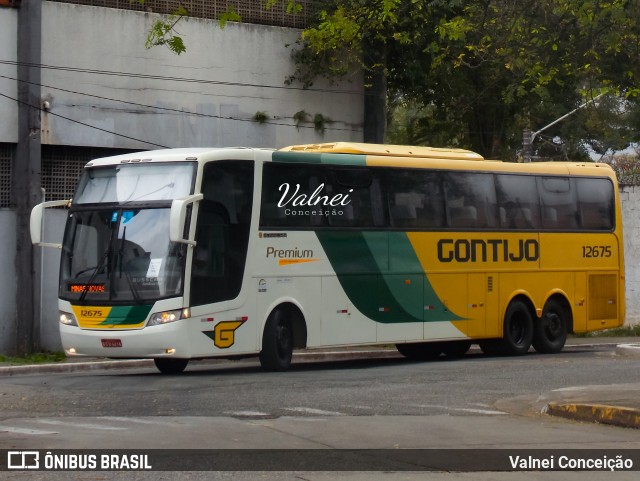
[(123, 267), (101, 261)]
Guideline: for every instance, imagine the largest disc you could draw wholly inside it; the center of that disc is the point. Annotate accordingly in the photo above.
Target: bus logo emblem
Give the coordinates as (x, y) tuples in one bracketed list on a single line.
[(224, 334)]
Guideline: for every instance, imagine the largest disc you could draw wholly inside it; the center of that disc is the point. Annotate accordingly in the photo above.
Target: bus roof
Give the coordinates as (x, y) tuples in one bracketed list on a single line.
[(166, 155), (386, 150)]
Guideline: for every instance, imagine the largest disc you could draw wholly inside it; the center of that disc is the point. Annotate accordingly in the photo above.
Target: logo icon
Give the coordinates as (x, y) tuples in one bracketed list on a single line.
[(23, 460)]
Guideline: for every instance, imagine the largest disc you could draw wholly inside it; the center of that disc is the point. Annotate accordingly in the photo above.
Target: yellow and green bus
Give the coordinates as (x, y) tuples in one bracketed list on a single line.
[(201, 253)]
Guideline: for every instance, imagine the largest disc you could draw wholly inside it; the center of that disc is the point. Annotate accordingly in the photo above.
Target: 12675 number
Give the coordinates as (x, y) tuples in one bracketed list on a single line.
[(596, 251)]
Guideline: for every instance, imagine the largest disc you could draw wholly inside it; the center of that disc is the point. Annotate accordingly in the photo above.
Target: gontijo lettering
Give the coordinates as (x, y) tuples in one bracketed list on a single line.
[(491, 250)]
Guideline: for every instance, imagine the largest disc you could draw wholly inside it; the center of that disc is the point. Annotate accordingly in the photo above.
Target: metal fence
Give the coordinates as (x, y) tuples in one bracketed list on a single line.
[(251, 11)]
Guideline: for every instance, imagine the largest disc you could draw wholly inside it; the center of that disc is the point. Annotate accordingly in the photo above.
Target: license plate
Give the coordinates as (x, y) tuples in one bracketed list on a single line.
[(111, 343)]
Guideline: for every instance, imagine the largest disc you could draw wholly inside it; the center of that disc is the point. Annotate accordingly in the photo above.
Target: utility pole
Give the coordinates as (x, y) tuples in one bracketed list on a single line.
[(26, 172), (528, 136), (375, 93)]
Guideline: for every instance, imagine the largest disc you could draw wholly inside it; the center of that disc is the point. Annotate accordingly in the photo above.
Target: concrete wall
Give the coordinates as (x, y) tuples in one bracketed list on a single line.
[(225, 76), (631, 223), (7, 281), (8, 86)]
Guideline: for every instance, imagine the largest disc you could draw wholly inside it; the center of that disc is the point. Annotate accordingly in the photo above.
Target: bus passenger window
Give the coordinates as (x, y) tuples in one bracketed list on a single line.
[(596, 201), (471, 200), (518, 201), (558, 202), (415, 198)]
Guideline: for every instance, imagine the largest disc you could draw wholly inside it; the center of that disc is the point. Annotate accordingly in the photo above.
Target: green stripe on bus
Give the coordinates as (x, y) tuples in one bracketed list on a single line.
[(127, 315), (382, 276), (320, 158)]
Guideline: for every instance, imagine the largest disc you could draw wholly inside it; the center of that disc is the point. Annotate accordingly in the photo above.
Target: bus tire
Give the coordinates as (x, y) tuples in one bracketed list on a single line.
[(455, 349), (277, 342), (420, 351), (170, 365), (517, 329), (550, 331)]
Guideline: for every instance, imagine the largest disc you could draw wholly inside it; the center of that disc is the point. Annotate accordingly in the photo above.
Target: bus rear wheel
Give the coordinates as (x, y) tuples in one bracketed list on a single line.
[(277, 342), (550, 331), (170, 366)]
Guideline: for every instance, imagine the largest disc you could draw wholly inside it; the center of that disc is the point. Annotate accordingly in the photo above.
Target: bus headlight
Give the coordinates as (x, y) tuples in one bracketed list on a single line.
[(67, 318), (158, 318)]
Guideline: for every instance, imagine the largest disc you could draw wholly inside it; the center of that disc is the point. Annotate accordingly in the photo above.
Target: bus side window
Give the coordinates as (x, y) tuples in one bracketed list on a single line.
[(415, 199), (518, 201), (596, 201), (558, 202), (471, 200)]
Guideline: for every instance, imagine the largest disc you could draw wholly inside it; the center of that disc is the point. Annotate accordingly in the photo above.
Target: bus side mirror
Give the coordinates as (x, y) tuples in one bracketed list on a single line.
[(178, 216), (35, 222)]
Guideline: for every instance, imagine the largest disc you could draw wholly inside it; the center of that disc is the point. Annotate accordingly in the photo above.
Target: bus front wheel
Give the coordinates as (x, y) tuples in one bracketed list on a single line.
[(550, 331), (277, 342), (170, 366)]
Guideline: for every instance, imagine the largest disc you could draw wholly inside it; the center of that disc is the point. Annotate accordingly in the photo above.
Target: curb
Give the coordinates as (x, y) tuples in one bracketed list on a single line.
[(628, 350), (598, 413), (83, 366), (74, 366)]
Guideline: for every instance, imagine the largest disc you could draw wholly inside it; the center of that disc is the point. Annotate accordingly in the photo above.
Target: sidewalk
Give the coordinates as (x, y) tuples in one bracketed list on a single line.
[(613, 404)]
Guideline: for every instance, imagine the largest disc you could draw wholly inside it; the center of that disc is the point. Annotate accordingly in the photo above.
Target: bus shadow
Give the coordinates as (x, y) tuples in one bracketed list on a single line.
[(225, 367)]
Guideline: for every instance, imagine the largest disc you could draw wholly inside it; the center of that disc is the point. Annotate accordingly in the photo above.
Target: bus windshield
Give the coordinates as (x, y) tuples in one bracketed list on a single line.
[(120, 255), (135, 183)]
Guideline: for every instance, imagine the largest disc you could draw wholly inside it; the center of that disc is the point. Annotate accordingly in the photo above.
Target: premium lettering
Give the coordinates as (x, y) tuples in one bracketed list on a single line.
[(294, 253), (492, 250)]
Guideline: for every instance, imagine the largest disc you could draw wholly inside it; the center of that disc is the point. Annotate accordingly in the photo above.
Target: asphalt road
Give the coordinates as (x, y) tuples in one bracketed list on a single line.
[(475, 402), (366, 387)]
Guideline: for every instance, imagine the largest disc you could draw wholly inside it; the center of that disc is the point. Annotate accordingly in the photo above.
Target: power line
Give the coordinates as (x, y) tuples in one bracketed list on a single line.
[(83, 123), (176, 79), (168, 109)]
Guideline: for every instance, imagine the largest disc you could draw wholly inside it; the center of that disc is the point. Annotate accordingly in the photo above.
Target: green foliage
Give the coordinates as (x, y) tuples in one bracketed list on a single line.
[(260, 117), (163, 33), (320, 123), (300, 117), (230, 15), (35, 358)]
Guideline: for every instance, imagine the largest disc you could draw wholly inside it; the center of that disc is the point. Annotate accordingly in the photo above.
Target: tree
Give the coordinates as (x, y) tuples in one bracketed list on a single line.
[(475, 74)]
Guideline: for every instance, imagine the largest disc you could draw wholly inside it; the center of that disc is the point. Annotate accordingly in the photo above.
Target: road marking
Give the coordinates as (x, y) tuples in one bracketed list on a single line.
[(248, 414), (138, 420), (9, 429), (465, 410), (80, 425), (316, 412)]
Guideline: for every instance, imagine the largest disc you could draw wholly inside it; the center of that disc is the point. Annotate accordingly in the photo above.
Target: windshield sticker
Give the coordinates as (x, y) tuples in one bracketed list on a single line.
[(114, 217), (154, 267), (127, 215)]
